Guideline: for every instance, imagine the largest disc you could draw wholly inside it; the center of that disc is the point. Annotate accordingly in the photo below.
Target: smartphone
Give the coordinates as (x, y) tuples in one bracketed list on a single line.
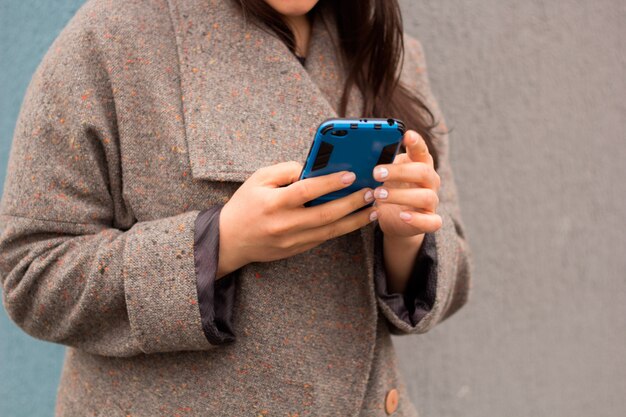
[(356, 145)]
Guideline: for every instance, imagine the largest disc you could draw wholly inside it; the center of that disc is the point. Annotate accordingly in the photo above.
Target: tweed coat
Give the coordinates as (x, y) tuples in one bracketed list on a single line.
[(142, 114)]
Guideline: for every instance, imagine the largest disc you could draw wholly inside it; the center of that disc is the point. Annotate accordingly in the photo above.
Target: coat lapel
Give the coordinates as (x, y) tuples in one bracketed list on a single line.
[(247, 100)]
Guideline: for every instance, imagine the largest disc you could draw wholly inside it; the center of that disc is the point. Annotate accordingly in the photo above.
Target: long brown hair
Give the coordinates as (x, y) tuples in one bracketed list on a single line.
[(372, 48)]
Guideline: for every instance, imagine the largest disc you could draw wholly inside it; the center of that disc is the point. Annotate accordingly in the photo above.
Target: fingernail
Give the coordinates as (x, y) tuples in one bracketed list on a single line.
[(381, 172), (412, 139), (348, 177), (380, 193), (405, 216), (373, 215), (369, 196)]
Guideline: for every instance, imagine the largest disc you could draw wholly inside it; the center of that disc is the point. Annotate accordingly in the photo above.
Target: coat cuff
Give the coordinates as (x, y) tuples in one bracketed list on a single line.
[(419, 295), (216, 297), (160, 285)]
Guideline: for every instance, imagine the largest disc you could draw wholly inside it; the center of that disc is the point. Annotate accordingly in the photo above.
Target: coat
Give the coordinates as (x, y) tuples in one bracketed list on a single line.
[(141, 114)]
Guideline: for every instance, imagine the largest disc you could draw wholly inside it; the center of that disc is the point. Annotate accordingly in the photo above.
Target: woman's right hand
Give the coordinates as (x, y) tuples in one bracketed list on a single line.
[(264, 221)]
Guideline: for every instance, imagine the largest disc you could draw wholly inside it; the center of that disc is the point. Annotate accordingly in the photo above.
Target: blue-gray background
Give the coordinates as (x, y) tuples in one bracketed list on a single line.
[(29, 369), (535, 92)]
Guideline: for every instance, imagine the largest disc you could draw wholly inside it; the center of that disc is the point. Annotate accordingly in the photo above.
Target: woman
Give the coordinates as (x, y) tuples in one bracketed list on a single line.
[(154, 225)]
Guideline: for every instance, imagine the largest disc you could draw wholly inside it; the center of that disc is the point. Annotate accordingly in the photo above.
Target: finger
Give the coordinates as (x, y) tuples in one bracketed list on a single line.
[(414, 172), (425, 199), (416, 148), (401, 158), (279, 174), (342, 226), (298, 193), (423, 222), (330, 212)]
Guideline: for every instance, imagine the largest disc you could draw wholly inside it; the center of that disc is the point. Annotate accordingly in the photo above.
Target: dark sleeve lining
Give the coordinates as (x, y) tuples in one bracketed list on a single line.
[(216, 298), (419, 296)]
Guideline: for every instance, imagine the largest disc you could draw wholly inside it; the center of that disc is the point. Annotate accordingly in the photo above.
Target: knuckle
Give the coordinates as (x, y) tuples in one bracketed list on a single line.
[(437, 179), (432, 175), (400, 170), (326, 215), (295, 164), (274, 229), (332, 232), (432, 199), (435, 224), (255, 177), (271, 230), (364, 219), (270, 203), (304, 191), (285, 243), (359, 198), (423, 170), (262, 171)]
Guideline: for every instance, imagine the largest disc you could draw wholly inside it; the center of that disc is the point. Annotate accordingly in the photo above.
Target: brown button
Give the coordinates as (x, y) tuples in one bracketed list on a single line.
[(391, 401)]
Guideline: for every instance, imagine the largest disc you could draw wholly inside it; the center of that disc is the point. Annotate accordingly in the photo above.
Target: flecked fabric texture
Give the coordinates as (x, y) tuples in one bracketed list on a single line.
[(216, 297), (142, 114)]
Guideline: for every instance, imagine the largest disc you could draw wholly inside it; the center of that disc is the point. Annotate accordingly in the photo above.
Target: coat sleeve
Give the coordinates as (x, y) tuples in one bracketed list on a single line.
[(216, 297), (76, 267), (419, 295), (446, 264)]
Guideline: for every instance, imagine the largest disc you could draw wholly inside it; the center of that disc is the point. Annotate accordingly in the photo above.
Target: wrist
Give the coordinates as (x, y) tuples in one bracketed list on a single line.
[(226, 265), (399, 256), (404, 242), (229, 256)]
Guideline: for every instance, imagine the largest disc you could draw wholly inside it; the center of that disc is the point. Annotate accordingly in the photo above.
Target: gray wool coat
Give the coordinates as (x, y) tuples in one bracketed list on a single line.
[(142, 114)]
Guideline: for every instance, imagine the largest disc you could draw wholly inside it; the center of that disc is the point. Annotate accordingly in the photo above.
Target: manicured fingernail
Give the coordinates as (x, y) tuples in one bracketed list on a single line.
[(405, 216), (348, 177), (369, 196), (381, 172), (380, 193), (373, 215)]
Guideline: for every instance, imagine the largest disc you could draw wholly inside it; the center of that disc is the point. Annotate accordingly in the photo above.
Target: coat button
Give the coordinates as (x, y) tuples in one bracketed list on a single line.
[(391, 401)]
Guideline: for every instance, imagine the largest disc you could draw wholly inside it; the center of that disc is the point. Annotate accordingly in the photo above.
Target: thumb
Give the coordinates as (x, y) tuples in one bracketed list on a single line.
[(416, 148), (283, 173)]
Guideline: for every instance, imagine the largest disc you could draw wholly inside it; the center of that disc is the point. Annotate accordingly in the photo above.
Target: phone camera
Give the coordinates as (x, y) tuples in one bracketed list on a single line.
[(339, 132)]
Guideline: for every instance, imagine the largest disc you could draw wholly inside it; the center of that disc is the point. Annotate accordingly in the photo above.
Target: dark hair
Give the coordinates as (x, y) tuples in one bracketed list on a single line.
[(372, 48)]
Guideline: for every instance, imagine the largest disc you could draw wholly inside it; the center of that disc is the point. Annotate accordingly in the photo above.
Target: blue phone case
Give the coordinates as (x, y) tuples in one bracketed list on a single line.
[(356, 145)]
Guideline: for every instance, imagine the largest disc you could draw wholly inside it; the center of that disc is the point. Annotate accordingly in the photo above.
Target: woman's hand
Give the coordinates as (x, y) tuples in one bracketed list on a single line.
[(263, 221), (408, 198)]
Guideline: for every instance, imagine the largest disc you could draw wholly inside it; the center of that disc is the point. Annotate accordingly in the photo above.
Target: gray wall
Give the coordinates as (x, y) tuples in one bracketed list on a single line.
[(535, 94)]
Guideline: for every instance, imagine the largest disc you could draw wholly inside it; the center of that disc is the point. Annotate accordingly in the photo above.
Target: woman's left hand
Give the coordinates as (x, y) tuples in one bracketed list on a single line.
[(408, 207)]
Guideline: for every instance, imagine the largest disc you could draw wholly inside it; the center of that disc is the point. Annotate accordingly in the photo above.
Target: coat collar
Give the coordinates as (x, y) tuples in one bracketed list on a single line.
[(247, 100)]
